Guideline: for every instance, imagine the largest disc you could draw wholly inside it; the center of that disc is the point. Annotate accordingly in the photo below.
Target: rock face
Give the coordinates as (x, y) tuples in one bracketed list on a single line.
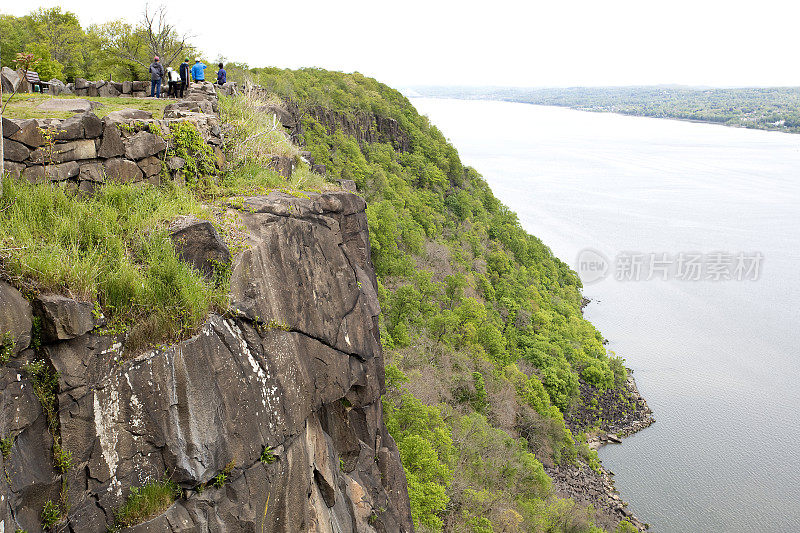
[(295, 369)]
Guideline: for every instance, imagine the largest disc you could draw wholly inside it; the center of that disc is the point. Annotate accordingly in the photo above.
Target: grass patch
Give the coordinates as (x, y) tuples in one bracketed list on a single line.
[(24, 105), (146, 502), (256, 136), (112, 248)]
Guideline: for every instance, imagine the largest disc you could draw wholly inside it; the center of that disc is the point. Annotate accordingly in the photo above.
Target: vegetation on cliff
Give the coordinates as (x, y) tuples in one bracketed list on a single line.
[(482, 324)]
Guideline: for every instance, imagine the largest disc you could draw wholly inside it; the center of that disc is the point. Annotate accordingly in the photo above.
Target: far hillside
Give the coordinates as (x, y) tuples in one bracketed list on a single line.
[(764, 108)]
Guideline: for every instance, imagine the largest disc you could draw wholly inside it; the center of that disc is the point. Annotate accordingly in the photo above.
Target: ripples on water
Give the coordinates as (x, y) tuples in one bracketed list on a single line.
[(717, 361)]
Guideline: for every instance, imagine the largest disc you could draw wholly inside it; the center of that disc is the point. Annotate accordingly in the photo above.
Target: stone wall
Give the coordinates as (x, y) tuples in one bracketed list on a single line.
[(81, 87), (295, 366), (126, 146)]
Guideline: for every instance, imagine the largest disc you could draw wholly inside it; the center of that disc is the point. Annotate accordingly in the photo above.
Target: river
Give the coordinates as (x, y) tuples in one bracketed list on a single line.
[(716, 358)]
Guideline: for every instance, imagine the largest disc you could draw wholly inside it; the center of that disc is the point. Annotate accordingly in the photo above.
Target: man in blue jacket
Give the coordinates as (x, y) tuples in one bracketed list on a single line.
[(184, 72), (198, 70), (222, 76)]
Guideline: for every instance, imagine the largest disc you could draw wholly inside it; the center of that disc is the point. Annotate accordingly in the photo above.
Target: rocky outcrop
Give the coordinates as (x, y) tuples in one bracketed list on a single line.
[(282, 394)]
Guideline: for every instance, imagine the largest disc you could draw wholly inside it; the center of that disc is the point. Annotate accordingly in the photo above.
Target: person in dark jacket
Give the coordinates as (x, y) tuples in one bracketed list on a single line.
[(156, 75), (184, 71), (222, 76)]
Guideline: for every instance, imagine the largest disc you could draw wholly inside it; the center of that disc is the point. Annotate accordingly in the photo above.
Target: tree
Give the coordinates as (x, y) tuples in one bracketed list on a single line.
[(154, 36)]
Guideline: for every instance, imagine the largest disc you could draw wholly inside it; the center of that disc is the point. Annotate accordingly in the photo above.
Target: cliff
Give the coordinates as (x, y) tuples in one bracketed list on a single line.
[(268, 419)]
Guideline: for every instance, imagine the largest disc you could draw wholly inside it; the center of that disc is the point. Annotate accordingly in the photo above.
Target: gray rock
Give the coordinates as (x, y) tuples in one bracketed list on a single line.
[(121, 170), (348, 185), (108, 90), (13, 169), (323, 281), (69, 151), (15, 316), (282, 165), (74, 105), (63, 318), (10, 127), (9, 80), (127, 115), (111, 145), (143, 144), (29, 134), (81, 83), (176, 163), (93, 172), (15, 151), (127, 87), (199, 244), (150, 166), (83, 126)]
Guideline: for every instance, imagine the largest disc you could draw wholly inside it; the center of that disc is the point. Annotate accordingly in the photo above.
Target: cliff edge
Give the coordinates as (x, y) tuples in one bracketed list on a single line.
[(268, 419)]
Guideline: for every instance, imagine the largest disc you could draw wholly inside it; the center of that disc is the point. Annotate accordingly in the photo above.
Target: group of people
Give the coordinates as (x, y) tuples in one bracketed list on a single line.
[(179, 81)]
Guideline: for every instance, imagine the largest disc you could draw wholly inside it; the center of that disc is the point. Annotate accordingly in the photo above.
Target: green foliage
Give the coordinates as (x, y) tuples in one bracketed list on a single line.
[(110, 248), (6, 347), (187, 143), (6, 443), (147, 501), (51, 514), (220, 480), (268, 456), (44, 381)]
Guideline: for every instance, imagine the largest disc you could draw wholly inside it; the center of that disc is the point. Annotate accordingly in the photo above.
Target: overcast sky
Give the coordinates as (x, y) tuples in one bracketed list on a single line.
[(498, 42)]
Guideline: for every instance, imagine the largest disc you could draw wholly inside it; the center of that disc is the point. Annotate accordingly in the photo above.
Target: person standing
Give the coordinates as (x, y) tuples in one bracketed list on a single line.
[(222, 76), (184, 75), (198, 70), (156, 75), (172, 79)]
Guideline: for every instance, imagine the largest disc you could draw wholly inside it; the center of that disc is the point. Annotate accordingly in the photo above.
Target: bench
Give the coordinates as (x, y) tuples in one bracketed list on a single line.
[(33, 78)]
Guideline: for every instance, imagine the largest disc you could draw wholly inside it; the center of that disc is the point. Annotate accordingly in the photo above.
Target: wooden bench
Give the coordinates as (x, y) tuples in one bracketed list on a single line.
[(33, 78)]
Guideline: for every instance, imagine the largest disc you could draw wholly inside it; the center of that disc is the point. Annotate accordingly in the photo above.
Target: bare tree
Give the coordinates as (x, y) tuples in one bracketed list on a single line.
[(154, 36)]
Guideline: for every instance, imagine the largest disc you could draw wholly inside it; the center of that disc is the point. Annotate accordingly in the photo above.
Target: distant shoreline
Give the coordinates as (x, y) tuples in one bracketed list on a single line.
[(589, 110)]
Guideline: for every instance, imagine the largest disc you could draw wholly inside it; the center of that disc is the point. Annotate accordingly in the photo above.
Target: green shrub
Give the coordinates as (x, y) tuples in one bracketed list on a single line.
[(146, 502)]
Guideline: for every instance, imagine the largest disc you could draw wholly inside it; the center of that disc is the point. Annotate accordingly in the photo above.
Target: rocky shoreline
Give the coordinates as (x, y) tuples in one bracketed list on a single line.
[(628, 413)]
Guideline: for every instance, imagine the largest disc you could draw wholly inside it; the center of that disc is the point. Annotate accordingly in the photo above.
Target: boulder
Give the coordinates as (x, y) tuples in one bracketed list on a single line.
[(73, 105), (143, 144), (122, 170), (176, 163), (126, 115), (108, 90), (83, 126), (81, 83), (56, 87), (127, 87), (9, 80), (63, 171), (63, 318), (15, 151), (283, 165), (319, 169), (93, 171), (30, 134), (13, 169), (199, 244), (10, 127), (69, 151), (117, 86), (140, 86), (16, 317), (150, 166), (111, 145), (348, 185)]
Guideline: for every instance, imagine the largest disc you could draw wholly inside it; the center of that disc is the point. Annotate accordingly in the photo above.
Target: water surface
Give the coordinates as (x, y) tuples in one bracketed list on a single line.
[(717, 360)]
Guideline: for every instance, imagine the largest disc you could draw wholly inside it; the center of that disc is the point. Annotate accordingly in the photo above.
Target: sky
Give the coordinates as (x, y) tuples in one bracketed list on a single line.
[(497, 42)]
